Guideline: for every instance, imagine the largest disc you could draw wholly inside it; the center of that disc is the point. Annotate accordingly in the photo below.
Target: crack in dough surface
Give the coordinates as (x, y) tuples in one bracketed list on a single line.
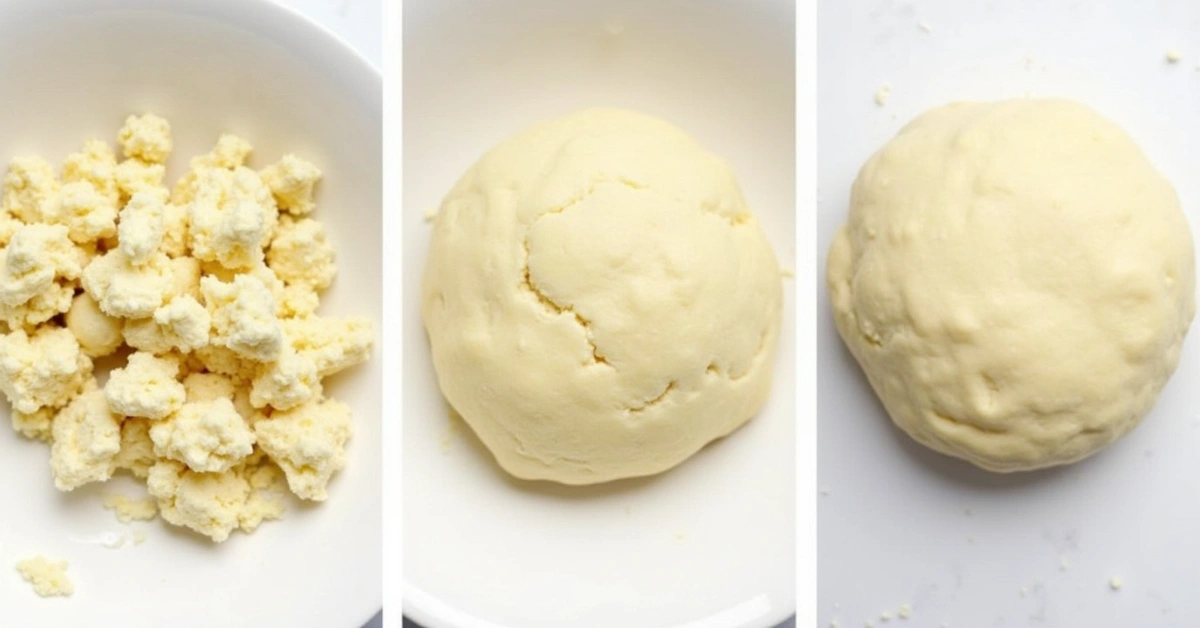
[(551, 305)]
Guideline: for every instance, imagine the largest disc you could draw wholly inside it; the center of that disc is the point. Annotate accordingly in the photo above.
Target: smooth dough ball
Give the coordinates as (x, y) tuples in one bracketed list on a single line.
[(98, 333), (1016, 280), (599, 299)]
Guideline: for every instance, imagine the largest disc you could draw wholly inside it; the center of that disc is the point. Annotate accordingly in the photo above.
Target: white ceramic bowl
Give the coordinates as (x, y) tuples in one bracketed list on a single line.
[(74, 69), (710, 543)]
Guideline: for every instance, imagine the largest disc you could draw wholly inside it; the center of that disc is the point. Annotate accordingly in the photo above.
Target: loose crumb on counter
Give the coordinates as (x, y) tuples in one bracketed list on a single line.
[(1115, 583), (883, 94), (925, 26), (1173, 55), (48, 577), (905, 611)]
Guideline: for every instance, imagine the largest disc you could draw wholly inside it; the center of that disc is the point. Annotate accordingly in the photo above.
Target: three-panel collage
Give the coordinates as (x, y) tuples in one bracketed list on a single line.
[(599, 314)]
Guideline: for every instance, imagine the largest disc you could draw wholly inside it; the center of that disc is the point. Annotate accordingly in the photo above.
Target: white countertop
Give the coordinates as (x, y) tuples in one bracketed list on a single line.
[(900, 524)]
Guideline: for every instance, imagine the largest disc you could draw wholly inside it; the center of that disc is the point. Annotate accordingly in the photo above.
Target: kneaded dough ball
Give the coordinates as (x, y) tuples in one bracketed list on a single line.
[(1016, 279), (600, 301)]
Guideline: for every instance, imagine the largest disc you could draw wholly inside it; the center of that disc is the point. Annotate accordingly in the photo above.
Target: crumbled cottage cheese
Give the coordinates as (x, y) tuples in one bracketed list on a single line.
[(148, 386), (45, 369), (141, 228), (126, 289), (48, 577), (219, 407), (309, 443), (30, 188), (37, 270), (207, 436), (86, 439), (291, 181), (243, 317)]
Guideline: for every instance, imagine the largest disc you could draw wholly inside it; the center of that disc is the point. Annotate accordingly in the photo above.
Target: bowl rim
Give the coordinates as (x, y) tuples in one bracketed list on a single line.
[(269, 18)]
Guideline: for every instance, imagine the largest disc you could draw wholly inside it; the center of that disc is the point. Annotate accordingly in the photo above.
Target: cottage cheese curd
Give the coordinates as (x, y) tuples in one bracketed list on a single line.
[(48, 577)]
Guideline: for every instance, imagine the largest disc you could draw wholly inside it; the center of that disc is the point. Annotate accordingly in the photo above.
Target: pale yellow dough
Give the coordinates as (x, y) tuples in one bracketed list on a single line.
[(600, 301), (1016, 280)]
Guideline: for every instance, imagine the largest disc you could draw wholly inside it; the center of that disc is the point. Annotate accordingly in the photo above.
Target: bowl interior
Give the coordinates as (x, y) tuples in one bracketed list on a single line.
[(73, 71), (713, 538)]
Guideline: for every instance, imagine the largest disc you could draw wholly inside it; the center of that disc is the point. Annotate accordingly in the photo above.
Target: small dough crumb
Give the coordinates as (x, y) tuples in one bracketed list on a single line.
[(883, 94), (905, 611), (925, 26), (1115, 583), (48, 577), (1173, 55)]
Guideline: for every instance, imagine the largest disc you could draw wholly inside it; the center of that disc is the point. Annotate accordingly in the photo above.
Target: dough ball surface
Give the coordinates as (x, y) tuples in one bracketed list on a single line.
[(98, 333), (599, 299), (1016, 279)]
